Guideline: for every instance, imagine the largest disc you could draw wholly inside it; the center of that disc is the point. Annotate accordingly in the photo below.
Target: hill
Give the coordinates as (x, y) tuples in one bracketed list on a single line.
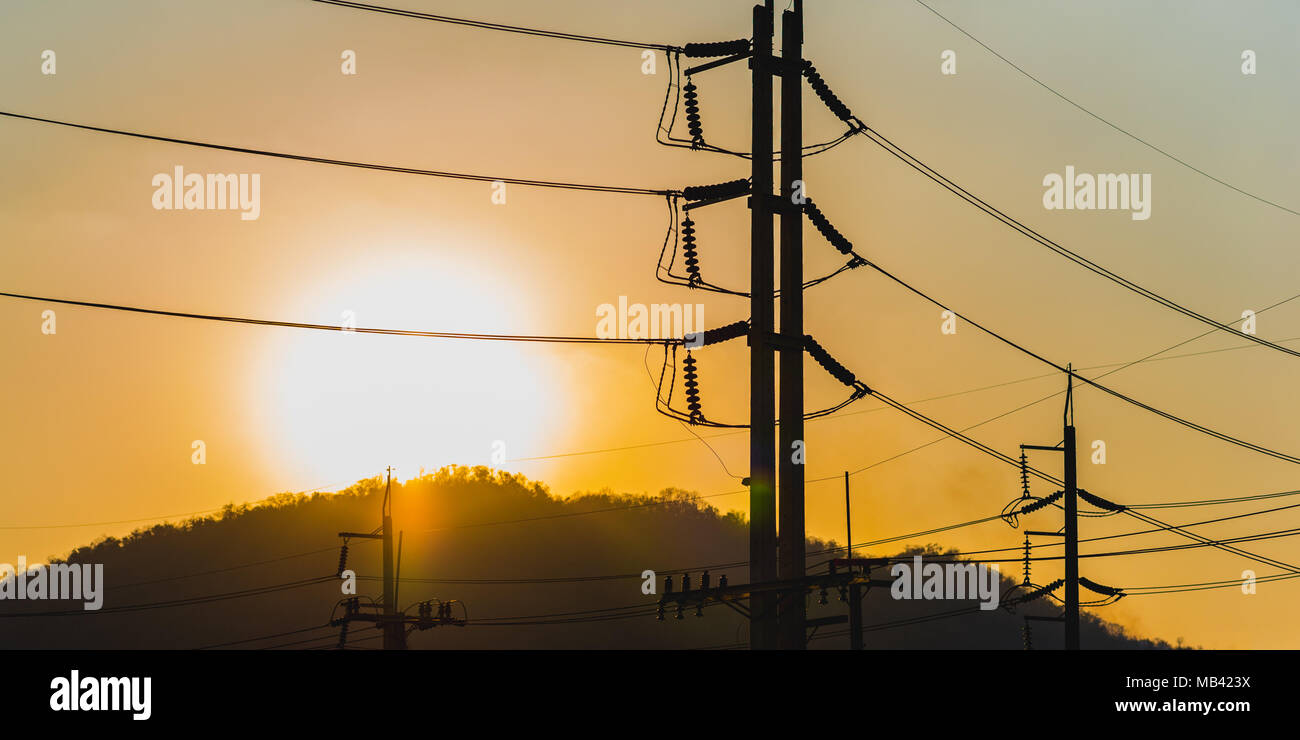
[(529, 570)]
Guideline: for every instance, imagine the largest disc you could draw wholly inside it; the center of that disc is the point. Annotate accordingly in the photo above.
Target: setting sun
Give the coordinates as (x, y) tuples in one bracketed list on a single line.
[(345, 405)]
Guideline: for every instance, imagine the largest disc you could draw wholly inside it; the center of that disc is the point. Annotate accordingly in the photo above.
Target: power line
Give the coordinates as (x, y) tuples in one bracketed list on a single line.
[(1218, 544), (518, 581), (257, 591), (333, 639), (268, 637), (1212, 502), (1120, 365), (499, 26), (539, 338), (227, 569), (843, 245), (971, 610), (906, 622), (924, 533), (1205, 586), (1200, 541), (159, 519), (1093, 383), (1100, 538), (1164, 528), (358, 330), (962, 437), (359, 165), (1121, 130), (601, 611), (1208, 542), (1034, 471), (959, 525), (1074, 257)]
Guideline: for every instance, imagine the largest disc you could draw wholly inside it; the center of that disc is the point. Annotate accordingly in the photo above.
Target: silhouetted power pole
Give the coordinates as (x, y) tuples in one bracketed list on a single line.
[(762, 381), (1070, 503), (394, 634), (793, 606), (1071, 521), (778, 616), (855, 589), (387, 617)]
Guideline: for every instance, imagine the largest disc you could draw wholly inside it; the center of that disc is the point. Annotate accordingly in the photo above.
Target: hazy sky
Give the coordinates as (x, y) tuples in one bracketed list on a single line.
[(100, 417)]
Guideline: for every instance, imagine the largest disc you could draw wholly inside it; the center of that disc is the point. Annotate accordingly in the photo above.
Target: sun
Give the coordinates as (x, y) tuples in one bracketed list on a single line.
[(340, 406)]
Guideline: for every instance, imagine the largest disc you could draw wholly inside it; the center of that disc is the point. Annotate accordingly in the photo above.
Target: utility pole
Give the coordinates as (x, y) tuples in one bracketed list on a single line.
[(762, 381), (1071, 520), (394, 630), (855, 589), (793, 606), (848, 517), (385, 615), (778, 616), (1070, 532)]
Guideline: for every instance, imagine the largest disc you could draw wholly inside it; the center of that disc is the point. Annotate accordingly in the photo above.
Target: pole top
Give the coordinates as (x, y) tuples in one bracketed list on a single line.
[(1068, 414)]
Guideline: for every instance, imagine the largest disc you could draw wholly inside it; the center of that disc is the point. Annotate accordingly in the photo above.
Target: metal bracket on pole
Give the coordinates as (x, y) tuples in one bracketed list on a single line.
[(781, 342), (716, 63), (701, 203)]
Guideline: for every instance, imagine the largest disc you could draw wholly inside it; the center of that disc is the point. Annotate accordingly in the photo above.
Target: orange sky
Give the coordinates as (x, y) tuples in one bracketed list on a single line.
[(101, 416)]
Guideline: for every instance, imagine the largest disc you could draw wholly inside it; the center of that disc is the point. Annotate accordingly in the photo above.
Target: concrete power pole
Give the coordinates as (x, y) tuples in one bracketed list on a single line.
[(762, 381), (1070, 503), (793, 606), (1071, 522), (393, 626)]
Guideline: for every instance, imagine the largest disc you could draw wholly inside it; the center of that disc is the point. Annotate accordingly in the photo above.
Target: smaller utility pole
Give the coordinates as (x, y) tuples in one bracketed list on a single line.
[(385, 615), (1070, 531), (855, 589), (1071, 521), (394, 632), (848, 516)]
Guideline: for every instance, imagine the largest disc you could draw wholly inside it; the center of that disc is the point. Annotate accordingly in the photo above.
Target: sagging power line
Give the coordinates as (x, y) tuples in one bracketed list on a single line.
[(551, 339), (1109, 123), (349, 163)]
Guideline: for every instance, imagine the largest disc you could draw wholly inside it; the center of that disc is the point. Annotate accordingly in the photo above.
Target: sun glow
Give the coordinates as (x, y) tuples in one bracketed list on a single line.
[(342, 406)]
